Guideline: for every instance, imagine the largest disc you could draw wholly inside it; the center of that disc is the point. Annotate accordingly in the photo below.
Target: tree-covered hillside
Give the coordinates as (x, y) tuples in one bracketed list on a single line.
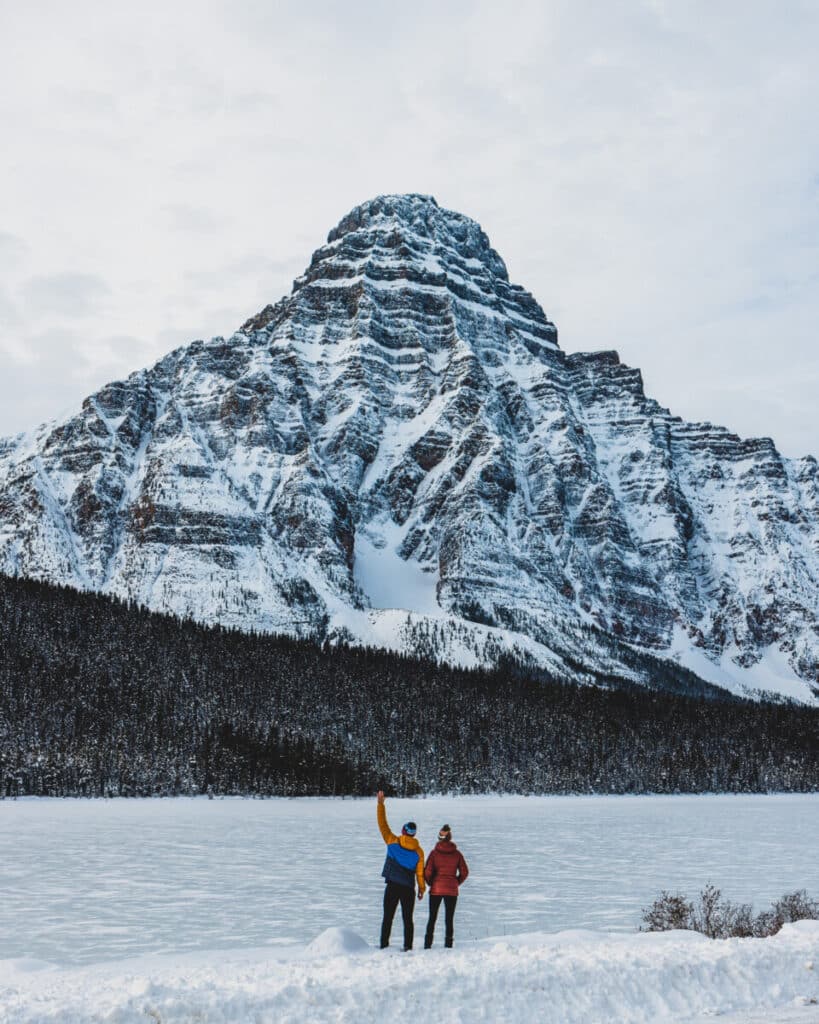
[(99, 698)]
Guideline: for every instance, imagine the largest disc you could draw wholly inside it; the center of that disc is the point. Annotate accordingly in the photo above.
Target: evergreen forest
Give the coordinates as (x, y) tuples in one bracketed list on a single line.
[(100, 698)]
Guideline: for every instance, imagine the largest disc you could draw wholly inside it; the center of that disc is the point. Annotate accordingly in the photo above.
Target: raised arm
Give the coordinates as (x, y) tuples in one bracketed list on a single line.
[(386, 834)]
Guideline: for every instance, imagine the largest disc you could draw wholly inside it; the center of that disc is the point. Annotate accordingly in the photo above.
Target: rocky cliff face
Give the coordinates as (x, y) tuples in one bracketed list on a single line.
[(399, 453)]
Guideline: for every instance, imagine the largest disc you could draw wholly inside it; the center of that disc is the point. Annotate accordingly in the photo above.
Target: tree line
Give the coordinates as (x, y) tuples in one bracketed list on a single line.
[(99, 697)]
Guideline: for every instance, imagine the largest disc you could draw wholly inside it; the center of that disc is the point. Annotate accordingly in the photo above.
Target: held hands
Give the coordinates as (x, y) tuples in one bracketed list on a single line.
[(420, 894), (381, 796)]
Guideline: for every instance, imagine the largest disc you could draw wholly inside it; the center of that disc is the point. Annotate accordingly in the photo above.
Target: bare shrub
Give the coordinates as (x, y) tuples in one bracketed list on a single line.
[(708, 912), (669, 912), (737, 921), (765, 924), (719, 918), (794, 906)]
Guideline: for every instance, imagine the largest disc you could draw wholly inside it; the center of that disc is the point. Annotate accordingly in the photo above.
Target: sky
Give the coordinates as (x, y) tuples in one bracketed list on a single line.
[(648, 170)]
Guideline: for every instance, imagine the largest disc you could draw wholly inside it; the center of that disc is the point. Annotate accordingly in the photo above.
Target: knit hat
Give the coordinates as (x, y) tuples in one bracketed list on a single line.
[(410, 828), (445, 833)]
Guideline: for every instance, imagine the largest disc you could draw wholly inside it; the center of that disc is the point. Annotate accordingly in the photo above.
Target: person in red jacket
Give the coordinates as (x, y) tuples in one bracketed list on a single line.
[(445, 871)]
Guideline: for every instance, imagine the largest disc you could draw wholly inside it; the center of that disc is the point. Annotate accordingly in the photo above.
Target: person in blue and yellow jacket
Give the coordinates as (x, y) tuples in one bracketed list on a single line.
[(402, 868)]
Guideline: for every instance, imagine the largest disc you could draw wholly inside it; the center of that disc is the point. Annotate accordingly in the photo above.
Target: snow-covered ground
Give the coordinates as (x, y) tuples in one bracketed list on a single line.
[(84, 881), (198, 910), (564, 978)]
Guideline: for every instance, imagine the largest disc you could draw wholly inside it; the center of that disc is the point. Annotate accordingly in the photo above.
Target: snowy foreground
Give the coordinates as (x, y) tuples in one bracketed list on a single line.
[(208, 911), (87, 881), (565, 977)]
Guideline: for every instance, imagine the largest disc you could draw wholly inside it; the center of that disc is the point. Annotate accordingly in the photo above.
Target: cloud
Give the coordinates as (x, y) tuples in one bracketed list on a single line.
[(9, 317), (54, 377), (647, 170), (59, 369), (254, 264), (66, 294), (13, 251), (196, 220)]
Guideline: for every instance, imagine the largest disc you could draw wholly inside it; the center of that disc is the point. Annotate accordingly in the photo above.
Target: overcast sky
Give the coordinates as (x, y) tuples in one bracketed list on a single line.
[(649, 170)]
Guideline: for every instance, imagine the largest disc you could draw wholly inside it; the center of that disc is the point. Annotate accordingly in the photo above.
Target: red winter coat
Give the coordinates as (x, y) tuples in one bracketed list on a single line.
[(446, 869)]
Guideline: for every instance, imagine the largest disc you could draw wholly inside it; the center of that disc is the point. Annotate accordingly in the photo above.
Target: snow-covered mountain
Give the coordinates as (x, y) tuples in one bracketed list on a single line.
[(399, 453)]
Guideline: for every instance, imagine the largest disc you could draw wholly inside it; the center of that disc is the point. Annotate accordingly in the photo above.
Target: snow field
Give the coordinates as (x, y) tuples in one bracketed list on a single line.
[(565, 978), (207, 912), (86, 881)]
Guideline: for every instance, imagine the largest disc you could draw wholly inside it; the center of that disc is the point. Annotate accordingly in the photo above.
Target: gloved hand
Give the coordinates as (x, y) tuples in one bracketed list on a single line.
[(420, 894)]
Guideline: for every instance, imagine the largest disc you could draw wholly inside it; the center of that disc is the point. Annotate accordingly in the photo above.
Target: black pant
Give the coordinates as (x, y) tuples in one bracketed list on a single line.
[(393, 895), (449, 919)]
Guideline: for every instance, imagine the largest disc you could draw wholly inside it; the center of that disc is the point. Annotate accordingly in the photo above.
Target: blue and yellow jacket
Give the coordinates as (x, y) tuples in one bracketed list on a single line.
[(405, 858)]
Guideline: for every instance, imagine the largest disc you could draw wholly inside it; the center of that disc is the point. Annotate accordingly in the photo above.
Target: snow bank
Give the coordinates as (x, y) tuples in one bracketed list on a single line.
[(337, 941), (563, 978)]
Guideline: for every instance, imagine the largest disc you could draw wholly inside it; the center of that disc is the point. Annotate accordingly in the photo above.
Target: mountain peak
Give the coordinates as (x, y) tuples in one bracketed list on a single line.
[(417, 263), (418, 221), (406, 208), (412, 259), (398, 452)]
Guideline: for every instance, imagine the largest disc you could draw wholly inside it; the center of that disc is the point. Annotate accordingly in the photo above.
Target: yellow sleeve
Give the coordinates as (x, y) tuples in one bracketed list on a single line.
[(419, 871), (386, 835)]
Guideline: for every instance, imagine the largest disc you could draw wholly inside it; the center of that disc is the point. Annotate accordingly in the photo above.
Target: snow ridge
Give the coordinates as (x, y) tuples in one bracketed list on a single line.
[(399, 453), (565, 978)]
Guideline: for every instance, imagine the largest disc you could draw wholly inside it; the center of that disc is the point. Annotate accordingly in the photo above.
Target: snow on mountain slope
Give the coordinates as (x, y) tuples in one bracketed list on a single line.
[(399, 453)]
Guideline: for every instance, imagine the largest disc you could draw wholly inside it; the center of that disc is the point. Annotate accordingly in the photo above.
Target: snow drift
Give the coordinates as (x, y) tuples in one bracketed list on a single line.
[(565, 978)]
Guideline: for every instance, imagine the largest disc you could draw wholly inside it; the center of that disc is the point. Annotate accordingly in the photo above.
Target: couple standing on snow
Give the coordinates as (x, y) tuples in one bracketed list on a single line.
[(444, 871)]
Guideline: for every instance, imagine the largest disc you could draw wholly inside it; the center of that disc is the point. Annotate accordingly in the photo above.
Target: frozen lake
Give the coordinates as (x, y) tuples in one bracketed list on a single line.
[(86, 881)]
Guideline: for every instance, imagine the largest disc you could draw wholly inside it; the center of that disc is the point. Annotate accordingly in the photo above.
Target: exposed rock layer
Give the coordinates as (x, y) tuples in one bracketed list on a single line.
[(403, 432)]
